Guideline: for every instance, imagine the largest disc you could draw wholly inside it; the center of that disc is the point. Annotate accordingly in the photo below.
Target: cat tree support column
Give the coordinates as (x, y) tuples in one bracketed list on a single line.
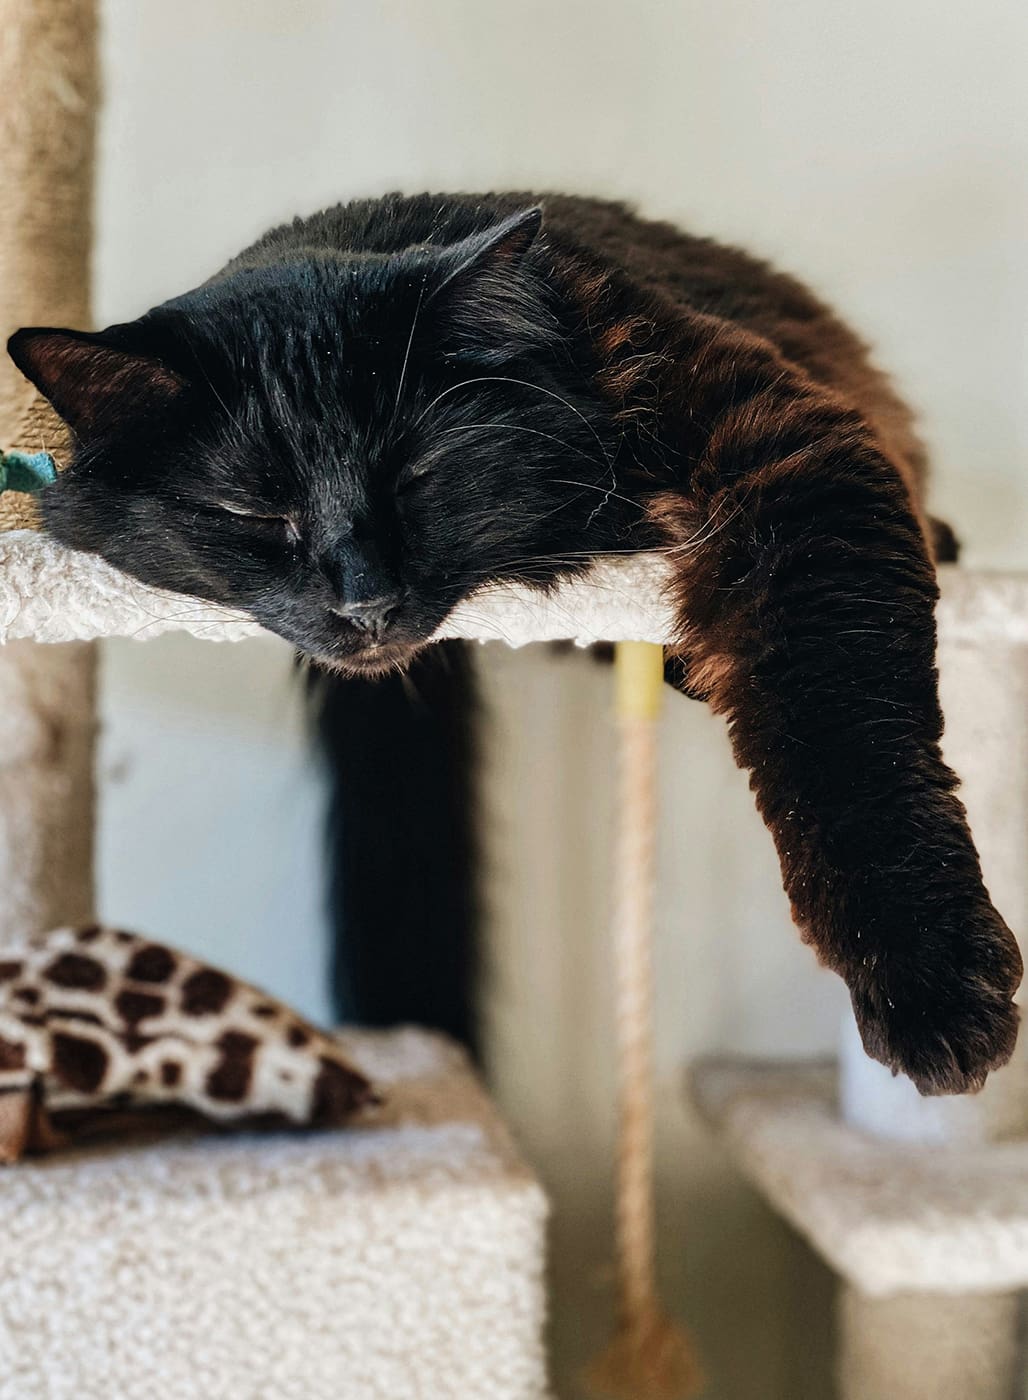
[(46, 786), (48, 92)]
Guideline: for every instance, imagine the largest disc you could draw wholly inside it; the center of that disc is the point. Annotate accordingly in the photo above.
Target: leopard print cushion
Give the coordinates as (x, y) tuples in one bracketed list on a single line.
[(97, 1018)]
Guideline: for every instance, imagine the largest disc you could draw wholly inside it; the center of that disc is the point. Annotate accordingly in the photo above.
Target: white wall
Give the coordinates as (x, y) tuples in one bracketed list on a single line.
[(211, 808), (880, 150)]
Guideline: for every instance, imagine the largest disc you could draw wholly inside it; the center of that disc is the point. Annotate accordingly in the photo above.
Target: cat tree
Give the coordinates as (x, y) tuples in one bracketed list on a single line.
[(408, 1260)]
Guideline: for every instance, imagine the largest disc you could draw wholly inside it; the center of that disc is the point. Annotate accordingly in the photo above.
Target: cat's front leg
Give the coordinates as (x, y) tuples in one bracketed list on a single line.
[(807, 597)]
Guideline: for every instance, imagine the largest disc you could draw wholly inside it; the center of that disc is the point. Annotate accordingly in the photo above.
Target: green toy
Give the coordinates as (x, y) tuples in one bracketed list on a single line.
[(26, 471)]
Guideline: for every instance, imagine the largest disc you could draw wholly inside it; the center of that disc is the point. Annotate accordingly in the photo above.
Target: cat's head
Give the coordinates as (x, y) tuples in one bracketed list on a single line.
[(342, 446)]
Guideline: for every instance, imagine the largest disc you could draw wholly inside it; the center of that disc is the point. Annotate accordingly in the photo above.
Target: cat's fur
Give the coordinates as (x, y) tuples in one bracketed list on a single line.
[(425, 394)]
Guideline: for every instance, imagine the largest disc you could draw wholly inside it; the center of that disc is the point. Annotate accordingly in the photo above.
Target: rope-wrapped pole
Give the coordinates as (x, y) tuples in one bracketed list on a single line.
[(48, 101), (651, 1358)]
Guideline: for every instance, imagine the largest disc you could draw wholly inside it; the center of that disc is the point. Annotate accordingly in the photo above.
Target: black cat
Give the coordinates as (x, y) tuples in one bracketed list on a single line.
[(374, 411)]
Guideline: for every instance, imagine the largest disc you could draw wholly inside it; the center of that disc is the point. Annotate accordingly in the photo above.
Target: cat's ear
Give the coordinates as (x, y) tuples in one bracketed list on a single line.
[(94, 385), (497, 249), (493, 307)]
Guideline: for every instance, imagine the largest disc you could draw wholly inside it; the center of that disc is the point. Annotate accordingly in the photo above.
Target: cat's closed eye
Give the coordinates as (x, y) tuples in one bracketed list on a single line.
[(261, 520)]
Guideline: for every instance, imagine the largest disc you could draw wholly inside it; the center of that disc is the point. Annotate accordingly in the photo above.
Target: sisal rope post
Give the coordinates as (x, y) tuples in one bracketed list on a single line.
[(48, 102), (49, 92), (651, 1357)]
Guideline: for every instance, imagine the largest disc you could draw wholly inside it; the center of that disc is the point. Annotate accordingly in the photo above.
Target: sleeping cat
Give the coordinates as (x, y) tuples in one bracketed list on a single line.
[(376, 410)]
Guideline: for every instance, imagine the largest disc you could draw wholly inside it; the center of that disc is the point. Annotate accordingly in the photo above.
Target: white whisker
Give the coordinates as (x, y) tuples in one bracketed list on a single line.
[(410, 342)]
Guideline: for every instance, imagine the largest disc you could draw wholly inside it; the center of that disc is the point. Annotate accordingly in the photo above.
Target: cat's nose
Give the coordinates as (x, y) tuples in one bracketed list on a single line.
[(371, 615)]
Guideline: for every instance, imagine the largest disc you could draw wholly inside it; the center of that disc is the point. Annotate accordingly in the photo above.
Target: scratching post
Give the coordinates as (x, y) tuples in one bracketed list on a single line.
[(650, 1358), (48, 91), (48, 99)]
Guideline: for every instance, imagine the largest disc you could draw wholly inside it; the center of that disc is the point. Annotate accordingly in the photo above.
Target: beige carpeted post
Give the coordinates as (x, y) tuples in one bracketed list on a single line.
[(48, 98), (921, 1346)]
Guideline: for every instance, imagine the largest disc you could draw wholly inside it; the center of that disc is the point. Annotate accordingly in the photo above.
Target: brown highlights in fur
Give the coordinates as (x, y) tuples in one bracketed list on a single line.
[(620, 334), (587, 288), (805, 594), (740, 426)]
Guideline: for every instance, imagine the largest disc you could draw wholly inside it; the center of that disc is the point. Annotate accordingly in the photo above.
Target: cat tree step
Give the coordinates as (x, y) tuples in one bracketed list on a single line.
[(52, 594), (401, 1259), (889, 1217), (931, 1242)]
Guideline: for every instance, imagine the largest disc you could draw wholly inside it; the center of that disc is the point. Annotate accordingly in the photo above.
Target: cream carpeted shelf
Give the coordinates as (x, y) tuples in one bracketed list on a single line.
[(930, 1241), (889, 1218), (52, 594)]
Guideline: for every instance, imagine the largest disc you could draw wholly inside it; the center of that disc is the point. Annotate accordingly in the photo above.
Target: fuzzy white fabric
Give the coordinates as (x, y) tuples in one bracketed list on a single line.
[(387, 1263), (889, 1218), (51, 594)]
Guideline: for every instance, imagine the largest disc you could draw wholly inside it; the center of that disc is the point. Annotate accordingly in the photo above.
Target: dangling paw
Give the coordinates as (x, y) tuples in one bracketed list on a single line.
[(946, 1019)]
